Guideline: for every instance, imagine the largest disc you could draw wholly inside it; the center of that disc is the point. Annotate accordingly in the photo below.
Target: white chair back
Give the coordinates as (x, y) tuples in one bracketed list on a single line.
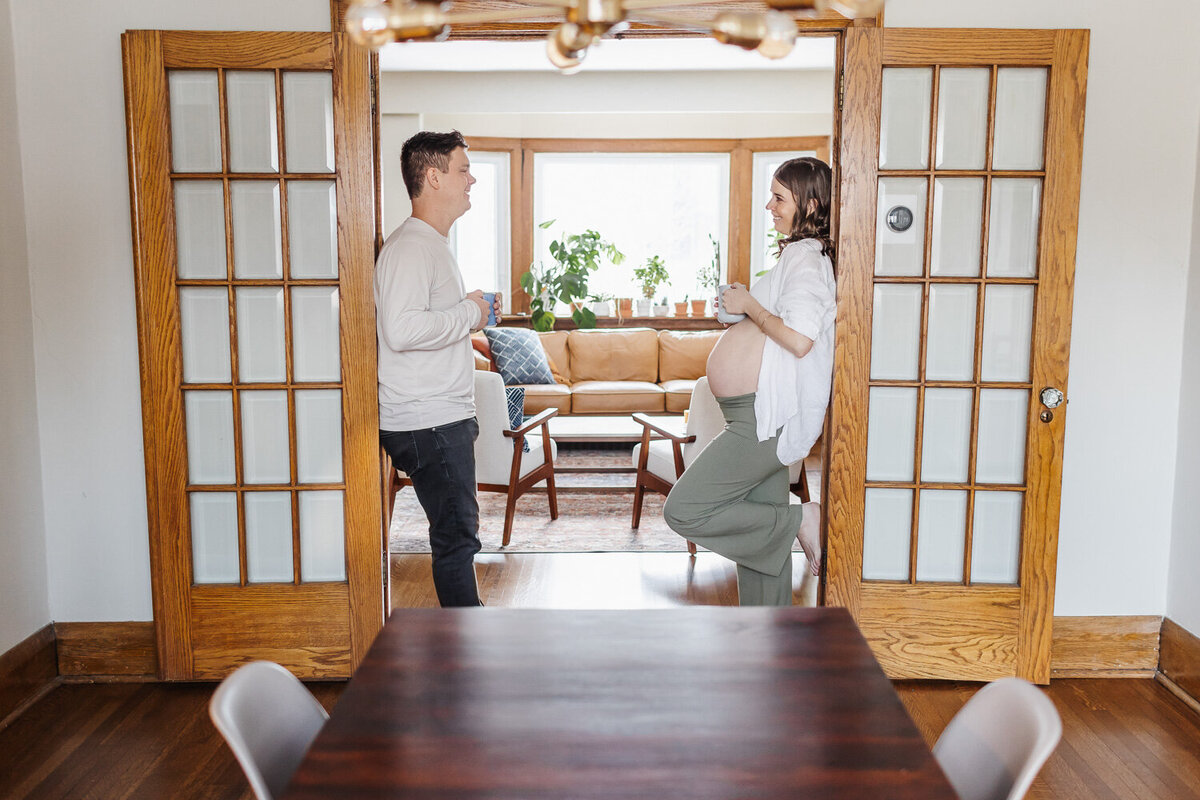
[(997, 742), (269, 720), (493, 450), (705, 420)]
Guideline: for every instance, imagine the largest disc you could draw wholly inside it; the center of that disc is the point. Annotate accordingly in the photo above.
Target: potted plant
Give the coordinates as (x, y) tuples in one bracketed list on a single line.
[(708, 278), (661, 309), (650, 275), (681, 307), (625, 307), (576, 256), (601, 305)]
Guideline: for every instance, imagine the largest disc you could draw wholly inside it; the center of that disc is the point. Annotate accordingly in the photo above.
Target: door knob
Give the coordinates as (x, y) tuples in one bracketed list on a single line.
[(1051, 397)]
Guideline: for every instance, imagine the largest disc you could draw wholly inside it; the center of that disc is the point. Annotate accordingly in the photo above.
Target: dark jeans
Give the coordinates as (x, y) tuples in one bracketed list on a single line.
[(440, 461)]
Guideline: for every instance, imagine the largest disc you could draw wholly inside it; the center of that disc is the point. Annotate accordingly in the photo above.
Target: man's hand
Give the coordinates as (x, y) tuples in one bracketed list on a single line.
[(477, 297), (498, 305)]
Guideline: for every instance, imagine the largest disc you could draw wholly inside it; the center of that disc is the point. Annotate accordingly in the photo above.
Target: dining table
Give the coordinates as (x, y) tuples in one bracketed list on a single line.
[(692, 702)]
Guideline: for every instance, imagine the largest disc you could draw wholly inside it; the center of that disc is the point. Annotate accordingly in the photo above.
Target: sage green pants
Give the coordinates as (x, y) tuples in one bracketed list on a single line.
[(733, 499)]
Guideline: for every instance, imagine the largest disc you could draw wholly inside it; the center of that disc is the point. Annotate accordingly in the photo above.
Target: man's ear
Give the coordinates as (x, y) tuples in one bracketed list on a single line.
[(433, 178)]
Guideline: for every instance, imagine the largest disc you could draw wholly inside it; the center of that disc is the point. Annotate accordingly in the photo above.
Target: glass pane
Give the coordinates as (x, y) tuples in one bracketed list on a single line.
[(957, 226), (895, 331), (195, 121), (950, 343), (200, 229), (315, 341), (322, 537), (260, 334), (1000, 454), (900, 227), (1013, 227), (1007, 328), (963, 118), (1020, 118), (265, 450), (887, 526), (269, 537), (214, 537), (209, 423), (946, 435), (312, 229), (996, 537), (308, 121), (204, 320), (480, 239), (941, 535), (319, 435), (257, 232), (904, 119), (253, 137), (891, 433)]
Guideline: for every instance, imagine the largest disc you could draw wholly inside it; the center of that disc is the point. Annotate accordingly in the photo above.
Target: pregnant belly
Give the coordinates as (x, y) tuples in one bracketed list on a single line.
[(733, 364)]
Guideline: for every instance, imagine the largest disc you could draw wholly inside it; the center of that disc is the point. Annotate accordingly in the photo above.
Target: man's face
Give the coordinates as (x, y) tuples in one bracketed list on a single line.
[(456, 183)]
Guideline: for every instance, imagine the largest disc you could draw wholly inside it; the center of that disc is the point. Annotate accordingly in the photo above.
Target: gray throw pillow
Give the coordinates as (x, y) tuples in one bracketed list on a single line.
[(519, 355)]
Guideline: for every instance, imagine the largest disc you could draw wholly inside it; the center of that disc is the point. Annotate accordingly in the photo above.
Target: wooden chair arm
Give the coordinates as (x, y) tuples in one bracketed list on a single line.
[(648, 422), (540, 418)]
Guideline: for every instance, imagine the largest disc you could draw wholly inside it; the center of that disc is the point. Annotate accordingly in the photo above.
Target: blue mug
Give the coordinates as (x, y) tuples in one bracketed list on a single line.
[(490, 299)]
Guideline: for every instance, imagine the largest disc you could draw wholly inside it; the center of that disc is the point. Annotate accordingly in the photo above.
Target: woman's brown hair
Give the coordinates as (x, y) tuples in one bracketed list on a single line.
[(808, 179)]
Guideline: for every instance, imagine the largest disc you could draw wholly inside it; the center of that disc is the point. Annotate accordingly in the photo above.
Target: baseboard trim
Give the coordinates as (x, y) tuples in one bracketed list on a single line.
[(1179, 662), (1105, 647), (107, 651), (27, 672)]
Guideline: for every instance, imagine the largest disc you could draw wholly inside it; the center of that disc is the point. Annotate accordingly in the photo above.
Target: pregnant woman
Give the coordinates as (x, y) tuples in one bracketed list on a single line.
[(771, 375)]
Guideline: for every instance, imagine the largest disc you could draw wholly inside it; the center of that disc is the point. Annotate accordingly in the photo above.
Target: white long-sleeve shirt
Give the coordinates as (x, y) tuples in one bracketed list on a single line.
[(793, 393), (423, 321)]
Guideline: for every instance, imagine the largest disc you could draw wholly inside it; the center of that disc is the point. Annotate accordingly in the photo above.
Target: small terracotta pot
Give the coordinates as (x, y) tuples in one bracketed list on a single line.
[(681, 309), (698, 307)]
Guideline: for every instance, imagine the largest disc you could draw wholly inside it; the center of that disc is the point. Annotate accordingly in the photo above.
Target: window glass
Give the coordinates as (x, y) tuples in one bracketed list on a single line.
[(762, 250), (480, 238)]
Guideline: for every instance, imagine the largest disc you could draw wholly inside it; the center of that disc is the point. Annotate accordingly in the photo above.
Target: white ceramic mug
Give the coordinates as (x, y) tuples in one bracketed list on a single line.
[(722, 314)]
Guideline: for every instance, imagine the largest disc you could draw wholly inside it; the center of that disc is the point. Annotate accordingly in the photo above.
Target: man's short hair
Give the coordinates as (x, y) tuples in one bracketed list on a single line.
[(424, 150)]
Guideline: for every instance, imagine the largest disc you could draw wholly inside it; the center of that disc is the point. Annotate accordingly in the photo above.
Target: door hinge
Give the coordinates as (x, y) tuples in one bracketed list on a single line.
[(841, 89)]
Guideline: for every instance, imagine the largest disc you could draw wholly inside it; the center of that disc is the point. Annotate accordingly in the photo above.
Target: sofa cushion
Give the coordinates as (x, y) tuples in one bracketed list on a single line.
[(615, 397), (540, 396), (605, 354), (519, 356), (678, 395), (683, 355), (555, 345)]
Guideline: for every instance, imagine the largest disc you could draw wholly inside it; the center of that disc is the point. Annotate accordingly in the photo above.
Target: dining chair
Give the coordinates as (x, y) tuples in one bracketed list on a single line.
[(269, 720), (994, 746)]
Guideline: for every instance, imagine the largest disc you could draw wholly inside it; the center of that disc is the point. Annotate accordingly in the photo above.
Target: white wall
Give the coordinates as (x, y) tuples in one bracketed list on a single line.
[(23, 594), (1183, 587), (72, 132)]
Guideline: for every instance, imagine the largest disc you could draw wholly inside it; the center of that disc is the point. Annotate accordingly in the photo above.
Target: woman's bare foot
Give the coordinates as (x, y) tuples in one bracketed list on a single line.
[(810, 536)]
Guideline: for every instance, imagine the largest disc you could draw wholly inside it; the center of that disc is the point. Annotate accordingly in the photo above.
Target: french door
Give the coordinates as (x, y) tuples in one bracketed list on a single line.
[(960, 156), (250, 177)]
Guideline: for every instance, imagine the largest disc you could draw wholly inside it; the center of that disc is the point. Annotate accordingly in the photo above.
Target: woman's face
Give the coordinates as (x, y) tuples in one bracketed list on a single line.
[(782, 207)]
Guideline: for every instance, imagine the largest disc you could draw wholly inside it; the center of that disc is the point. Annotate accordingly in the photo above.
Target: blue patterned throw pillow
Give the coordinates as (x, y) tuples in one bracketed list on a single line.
[(516, 410), (519, 355)]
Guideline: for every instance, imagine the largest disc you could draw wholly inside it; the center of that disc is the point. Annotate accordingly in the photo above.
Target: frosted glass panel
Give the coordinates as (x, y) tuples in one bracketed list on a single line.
[(1020, 118), (322, 537), (204, 320), (200, 229), (260, 334), (891, 433), (269, 537), (887, 527), (950, 344), (1000, 454), (895, 331), (312, 229), (1007, 327), (253, 138), (996, 537), (257, 232), (209, 423), (957, 226), (963, 118), (308, 121), (265, 449), (946, 440), (214, 537), (904, 119), (941, 535), (319, 435), (315, 334), (195, 121), (900, 243), (1013, 227)]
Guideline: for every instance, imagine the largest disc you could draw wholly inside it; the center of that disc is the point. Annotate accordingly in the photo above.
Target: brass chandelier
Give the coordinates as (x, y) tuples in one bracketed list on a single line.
[(772, 33)]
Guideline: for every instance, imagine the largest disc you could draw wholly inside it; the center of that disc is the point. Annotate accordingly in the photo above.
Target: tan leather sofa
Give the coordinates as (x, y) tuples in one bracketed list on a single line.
[(621, 370)]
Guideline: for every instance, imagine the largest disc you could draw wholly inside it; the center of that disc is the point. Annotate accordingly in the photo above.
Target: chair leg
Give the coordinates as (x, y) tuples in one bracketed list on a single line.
[(552, 494), (639, 495), (393, 488), (691, 548), (804, 495), (510, 510)]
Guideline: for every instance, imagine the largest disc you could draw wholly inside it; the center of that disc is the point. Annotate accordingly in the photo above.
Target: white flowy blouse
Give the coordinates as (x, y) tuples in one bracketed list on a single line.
[(793, 393)]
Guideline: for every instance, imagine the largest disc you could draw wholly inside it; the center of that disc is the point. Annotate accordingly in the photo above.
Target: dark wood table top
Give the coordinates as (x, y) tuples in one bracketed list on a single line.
[(702, 702)]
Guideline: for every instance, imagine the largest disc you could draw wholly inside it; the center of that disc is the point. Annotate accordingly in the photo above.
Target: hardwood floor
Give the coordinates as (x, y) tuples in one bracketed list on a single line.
[(1123, 738)]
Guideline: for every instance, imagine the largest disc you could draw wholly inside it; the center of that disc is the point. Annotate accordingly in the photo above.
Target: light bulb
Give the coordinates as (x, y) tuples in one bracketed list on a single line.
[(367, 24), (852, 9), (566, 46), (746, 29), (779, 36), (418, 20)]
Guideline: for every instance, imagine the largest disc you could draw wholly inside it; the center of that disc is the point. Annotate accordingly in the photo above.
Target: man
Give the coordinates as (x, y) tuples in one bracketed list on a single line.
[(426, 382)]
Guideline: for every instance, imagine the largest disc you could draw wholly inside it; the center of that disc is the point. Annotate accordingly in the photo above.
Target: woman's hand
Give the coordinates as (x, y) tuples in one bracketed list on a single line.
[(737, 299)]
